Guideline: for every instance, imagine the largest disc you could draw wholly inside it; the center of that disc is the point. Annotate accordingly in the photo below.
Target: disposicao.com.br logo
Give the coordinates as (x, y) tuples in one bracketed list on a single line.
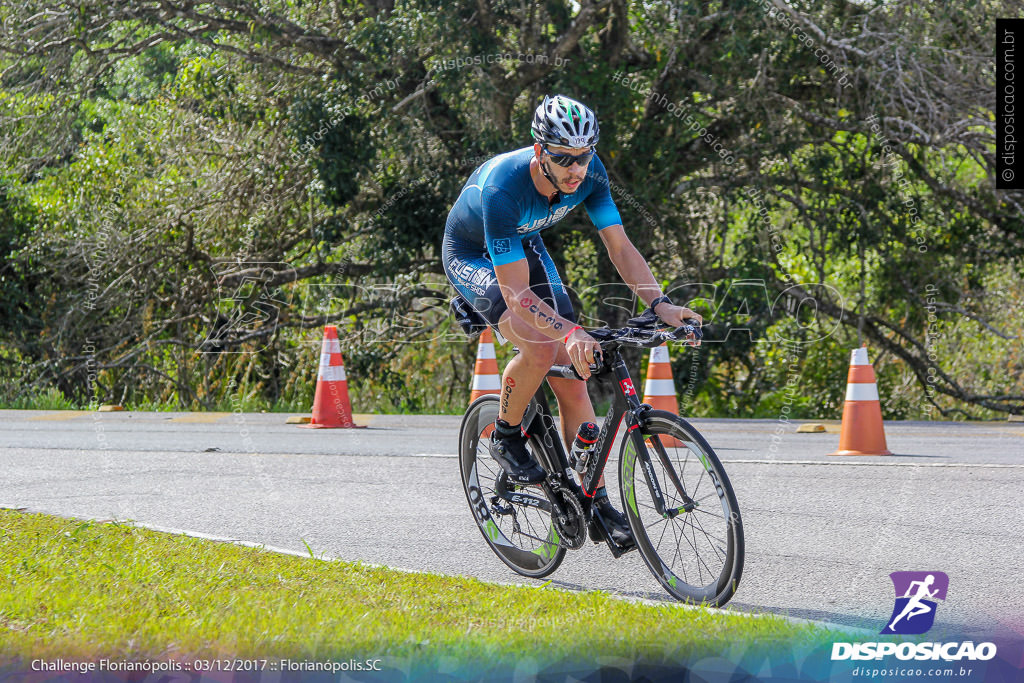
[(913, 614)]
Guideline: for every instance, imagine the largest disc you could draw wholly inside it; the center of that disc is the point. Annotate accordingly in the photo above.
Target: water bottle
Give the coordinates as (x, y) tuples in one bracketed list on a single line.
[(583, 446)]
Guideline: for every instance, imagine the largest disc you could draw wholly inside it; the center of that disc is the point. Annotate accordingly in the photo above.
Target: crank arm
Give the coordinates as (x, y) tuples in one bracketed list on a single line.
[(554, 507), (522, 498)]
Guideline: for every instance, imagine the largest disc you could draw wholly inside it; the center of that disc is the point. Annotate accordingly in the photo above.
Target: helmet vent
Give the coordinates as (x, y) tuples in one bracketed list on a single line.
[(560, 120)]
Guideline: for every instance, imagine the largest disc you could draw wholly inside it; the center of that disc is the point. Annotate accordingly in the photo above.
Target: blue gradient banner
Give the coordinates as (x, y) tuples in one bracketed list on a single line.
[(769, 662)]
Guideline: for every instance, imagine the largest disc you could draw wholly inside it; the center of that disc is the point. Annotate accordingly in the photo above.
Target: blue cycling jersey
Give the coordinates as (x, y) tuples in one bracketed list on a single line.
[(499, 206)]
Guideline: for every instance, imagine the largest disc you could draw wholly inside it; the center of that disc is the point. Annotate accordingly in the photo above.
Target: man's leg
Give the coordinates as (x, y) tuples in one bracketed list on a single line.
[(525, 372), (537, 354), (574, 406), (520, 381)]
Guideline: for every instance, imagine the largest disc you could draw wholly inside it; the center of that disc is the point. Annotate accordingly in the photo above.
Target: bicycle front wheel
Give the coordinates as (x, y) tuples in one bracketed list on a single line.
[(697, 556), (522, 535)]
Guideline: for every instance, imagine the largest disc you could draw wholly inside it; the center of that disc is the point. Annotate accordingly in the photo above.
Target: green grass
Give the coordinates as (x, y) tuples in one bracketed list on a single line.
[(91, 589)]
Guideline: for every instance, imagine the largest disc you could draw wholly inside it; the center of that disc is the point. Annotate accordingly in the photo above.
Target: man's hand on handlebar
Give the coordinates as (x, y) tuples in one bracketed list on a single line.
[(676, 316), (582, 349)]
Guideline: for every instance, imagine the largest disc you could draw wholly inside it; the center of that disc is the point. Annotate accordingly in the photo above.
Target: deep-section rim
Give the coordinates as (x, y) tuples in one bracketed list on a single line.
[(536, 563), (718, 591)]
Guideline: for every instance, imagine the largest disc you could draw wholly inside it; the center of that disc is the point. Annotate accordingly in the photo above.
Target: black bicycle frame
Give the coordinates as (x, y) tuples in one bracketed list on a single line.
[(539, 422)]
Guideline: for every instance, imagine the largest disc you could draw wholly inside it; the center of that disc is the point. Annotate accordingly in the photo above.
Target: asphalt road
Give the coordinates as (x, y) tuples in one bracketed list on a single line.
[(822, 533)]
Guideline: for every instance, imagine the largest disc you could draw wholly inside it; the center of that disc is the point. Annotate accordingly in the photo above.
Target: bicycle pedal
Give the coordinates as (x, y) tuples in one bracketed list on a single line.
[(599, 533), (618, 551)]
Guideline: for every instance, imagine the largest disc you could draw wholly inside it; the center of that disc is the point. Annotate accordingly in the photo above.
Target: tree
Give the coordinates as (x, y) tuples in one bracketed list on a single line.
[(258, 169)]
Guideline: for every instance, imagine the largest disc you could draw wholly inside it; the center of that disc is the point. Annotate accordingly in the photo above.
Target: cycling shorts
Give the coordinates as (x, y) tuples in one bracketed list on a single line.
[(471, 272)]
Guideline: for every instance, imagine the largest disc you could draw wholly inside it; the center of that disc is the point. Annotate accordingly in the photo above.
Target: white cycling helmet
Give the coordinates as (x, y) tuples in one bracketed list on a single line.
[(563, 121)]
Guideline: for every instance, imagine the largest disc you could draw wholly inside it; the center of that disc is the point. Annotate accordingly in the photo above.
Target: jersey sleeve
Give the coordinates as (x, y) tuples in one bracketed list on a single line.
[(599, 203), (501, 216)]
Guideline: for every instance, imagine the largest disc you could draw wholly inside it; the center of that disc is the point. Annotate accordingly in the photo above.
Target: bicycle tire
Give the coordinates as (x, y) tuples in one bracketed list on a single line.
[(534, 552), (694, 463)]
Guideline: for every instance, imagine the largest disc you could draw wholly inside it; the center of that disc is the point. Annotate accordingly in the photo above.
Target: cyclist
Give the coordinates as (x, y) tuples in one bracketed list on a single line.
[(495, 258)]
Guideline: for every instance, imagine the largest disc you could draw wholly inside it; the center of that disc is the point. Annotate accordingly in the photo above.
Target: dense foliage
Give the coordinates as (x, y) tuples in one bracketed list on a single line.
[(190, 190)]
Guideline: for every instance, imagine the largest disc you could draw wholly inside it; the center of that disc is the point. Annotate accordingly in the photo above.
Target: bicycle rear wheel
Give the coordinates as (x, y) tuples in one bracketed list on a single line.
[(521, 535), (697, 556)]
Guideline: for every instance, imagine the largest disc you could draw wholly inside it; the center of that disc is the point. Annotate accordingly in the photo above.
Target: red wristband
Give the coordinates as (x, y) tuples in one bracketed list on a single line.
[(566, 340)]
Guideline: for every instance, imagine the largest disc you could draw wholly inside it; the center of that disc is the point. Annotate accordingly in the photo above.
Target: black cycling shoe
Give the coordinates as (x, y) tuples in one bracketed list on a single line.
[(614, 521), (515, 459)]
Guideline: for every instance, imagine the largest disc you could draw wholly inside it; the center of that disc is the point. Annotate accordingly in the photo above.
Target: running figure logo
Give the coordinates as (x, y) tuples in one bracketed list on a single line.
[(914, 612)]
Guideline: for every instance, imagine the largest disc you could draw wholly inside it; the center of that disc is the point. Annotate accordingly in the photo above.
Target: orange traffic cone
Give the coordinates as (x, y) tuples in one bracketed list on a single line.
[(862, 431), (486, 378), (660, 389), (331, 406)]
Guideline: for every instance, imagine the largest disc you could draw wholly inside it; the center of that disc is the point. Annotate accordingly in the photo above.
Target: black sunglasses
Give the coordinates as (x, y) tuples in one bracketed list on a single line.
[(567, 160)]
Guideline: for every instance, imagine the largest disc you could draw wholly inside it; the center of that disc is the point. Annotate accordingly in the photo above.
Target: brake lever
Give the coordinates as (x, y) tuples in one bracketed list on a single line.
[(693, 326), (595, 368)]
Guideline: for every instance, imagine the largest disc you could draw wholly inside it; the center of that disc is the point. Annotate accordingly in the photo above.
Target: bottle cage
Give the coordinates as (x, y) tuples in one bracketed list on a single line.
[(471, 322)]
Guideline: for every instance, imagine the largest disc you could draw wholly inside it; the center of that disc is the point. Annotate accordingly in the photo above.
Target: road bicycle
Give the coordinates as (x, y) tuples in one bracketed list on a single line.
[(679, 502)]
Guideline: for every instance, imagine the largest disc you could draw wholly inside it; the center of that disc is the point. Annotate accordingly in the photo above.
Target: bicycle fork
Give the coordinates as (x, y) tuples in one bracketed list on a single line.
[(635, 421)]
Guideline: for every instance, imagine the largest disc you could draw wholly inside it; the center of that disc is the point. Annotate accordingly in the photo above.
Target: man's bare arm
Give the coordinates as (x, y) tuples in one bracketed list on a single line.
[(514, 281)]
